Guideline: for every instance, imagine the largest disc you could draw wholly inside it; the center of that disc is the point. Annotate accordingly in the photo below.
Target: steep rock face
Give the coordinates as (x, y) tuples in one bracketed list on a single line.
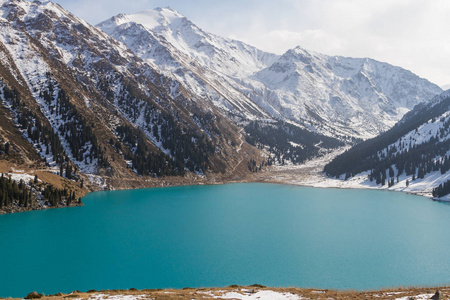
[(86, 103), (414, 154)]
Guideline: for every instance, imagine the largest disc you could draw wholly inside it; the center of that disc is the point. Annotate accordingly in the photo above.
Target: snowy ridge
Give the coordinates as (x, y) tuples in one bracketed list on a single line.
[(436, 128), (72, 77), (226, 56), (335, 96), (358, 97), (204, 63), (435, 101), (413, 156)]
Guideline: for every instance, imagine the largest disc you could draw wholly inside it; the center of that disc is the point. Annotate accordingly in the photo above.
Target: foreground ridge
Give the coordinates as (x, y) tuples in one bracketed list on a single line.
[(255, 291)]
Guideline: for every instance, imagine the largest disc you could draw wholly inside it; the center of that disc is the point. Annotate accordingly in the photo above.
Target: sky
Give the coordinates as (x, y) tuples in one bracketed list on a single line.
[(413, 34)]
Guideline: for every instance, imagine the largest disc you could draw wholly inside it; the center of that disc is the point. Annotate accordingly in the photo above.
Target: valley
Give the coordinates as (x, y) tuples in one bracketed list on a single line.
[(269, 168), (151, 99)]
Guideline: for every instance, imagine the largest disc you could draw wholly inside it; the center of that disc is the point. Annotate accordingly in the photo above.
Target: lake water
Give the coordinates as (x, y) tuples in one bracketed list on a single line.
[(204, 236)]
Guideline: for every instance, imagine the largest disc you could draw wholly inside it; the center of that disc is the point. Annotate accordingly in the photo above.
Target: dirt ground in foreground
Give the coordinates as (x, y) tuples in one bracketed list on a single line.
[(249, 291)]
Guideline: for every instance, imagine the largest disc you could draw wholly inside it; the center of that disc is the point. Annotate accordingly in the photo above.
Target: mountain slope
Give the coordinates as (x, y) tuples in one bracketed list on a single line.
[(227, 56), (211, 66), (87, 106), (160, 97), (347, 96), (335, 96), (202, 62), (414, 153)]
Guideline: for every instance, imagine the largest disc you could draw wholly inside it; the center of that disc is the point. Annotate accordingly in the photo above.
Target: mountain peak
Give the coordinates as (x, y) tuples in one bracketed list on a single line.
[(300, 85), (300, 52), (168, 12), (151, 19), (167, 8)]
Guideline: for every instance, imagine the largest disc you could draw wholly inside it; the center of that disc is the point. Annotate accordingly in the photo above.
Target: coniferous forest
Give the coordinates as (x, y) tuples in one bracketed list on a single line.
[(286, 142), (392, 154), (12, 192), (25, 194)]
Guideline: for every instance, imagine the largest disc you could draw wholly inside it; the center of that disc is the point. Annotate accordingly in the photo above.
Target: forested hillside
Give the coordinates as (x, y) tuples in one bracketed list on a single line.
[(417, 147), (79, 105)]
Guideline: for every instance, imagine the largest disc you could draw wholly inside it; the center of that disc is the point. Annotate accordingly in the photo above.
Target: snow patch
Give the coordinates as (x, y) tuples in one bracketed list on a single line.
[(20, 176), (117, 297), (417, 297), (260, 295)]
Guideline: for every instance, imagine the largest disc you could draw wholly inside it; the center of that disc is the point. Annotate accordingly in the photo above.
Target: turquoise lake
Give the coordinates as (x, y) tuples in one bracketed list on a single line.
[(204, 236)]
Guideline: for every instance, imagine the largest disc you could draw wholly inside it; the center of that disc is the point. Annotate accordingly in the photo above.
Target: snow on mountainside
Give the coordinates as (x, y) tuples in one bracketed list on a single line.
[(152, 95), (226, 56), (86, 103), (215, 68), (413, 156), (331, 95), (203, 62), (354, 96)]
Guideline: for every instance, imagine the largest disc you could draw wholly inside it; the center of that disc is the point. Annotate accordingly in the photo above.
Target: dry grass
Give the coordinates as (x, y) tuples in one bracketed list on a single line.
[(208, 293)]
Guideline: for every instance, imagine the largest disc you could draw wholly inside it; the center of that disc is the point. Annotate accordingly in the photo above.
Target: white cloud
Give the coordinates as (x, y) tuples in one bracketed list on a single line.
[(278, 41), (409, 33)]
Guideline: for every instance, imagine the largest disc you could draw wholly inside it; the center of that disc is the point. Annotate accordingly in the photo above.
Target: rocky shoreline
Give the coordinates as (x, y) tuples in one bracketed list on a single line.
[(19, 209), (250, 292)]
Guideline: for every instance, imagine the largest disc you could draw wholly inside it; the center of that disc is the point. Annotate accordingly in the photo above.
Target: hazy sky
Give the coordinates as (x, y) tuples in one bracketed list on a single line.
[(414, 34)]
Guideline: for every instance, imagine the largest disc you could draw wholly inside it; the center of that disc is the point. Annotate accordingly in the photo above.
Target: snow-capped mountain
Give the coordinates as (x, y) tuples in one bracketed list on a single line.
[(205, 63), (151, 94), (227, 56), (87, 104), (335, 96), (350, 96), (413, 156)]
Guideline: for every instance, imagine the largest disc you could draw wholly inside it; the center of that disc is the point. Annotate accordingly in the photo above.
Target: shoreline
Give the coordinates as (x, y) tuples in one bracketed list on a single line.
[(244, 180), (308, 174), (310, 171), (349, 188), (255, 291)]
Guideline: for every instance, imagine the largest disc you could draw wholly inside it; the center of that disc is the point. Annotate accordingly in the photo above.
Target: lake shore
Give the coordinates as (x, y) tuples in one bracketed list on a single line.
[(252, 292), (311, 174), (308, 174)]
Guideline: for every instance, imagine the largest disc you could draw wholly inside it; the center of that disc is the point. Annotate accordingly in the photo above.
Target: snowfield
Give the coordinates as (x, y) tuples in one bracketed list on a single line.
[(18, 175), (311, 174), (261, 295)]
